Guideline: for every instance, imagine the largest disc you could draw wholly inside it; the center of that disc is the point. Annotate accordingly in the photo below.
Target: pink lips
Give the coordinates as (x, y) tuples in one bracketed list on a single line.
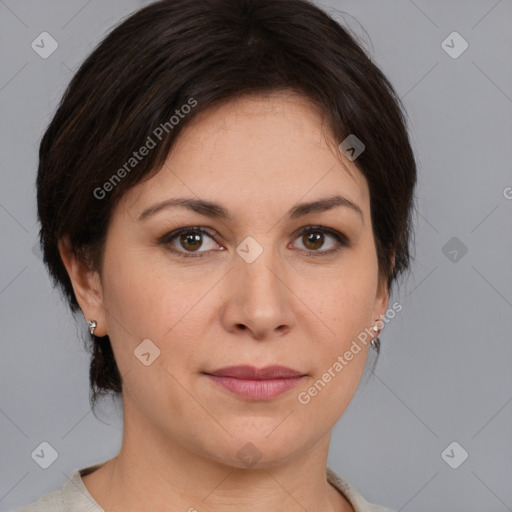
[(256, 384)]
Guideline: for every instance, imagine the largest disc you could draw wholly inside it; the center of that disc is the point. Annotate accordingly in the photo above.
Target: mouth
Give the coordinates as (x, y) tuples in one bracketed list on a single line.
[(252, 383)]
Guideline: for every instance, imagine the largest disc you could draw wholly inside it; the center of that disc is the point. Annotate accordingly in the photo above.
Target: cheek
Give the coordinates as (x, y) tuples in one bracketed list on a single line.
[(344, 302), (342, 299), (144, 304), (140, 290), (340, 353), (148, 299)]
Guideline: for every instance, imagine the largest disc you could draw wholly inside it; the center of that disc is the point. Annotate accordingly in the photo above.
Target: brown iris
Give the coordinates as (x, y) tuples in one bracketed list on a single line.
[(191, 241), (315, 238)]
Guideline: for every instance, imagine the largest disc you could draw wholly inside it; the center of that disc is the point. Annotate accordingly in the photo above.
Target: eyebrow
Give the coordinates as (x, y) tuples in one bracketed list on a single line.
[(217, 211)]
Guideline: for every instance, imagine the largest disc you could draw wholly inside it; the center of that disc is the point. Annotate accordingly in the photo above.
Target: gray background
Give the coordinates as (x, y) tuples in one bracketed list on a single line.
[(444, 372)]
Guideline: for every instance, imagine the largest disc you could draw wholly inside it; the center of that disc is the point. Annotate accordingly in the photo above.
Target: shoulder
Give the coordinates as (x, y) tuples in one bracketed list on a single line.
[(358, 502), (51, 502), (73, 496)]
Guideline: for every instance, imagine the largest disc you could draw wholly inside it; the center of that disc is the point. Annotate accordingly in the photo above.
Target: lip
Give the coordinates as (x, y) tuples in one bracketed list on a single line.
[(253, 373), (252, 383)]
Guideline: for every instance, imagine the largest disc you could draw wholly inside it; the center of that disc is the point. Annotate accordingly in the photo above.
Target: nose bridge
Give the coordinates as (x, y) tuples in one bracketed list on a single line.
[(259, 272)]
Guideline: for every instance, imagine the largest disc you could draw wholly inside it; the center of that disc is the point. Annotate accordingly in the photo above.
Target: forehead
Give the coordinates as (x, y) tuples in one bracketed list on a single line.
[(256, 152)]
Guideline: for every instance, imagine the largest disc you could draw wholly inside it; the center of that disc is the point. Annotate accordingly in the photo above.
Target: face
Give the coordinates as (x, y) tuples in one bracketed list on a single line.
[(258, 279)]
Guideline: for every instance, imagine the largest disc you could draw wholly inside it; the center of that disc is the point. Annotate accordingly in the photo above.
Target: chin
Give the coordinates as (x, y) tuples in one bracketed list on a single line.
[(258, 448)]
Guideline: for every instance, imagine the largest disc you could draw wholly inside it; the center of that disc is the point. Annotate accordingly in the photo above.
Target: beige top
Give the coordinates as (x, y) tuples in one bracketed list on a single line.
[(73, 496)]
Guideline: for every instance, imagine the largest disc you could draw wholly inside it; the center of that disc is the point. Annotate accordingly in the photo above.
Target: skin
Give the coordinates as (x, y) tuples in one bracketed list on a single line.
[(258, 157)]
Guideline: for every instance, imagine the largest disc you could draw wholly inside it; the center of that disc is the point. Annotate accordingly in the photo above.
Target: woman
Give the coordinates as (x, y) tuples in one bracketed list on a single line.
[(225, 192)]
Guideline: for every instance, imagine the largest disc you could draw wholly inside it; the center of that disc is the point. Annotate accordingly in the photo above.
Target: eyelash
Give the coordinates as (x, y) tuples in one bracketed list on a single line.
[(342, 240)]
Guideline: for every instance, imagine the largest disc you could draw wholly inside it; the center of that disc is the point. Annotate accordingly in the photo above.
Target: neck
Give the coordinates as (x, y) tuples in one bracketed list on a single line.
[(154, 472)]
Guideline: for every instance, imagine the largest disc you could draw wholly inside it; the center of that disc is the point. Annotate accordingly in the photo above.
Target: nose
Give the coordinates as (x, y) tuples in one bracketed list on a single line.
[(258, 298)]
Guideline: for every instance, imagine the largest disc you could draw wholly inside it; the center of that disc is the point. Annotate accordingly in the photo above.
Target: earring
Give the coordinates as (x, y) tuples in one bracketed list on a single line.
[(92, 325), (375, 343)]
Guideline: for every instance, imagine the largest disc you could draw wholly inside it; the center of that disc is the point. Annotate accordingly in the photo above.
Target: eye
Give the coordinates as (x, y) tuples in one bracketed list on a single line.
[(314, 238), (193, 241), (189, 240)]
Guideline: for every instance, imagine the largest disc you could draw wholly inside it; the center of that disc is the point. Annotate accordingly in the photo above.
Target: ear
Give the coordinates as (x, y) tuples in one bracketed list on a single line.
[(382, 296), (86, 285), (381, 300)]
